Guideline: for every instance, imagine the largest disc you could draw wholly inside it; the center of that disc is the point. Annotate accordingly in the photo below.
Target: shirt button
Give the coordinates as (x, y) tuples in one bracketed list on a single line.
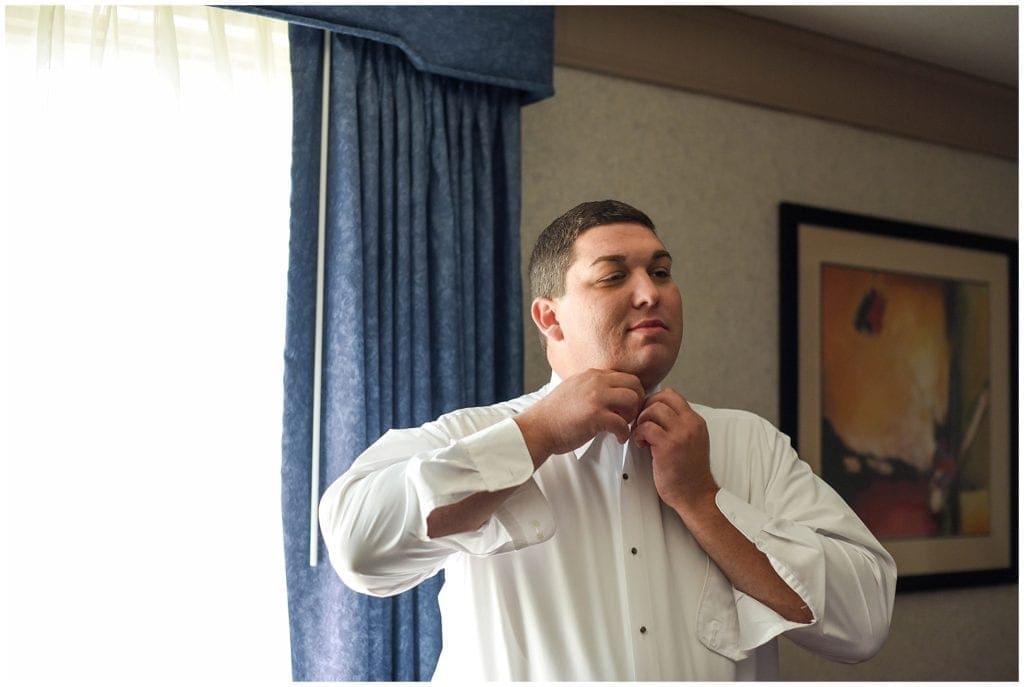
[(643, 629), (633, 550), (625, 475)]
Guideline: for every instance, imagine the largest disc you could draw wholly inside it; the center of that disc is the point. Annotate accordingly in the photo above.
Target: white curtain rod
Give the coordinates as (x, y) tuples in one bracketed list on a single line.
[(318, 345)]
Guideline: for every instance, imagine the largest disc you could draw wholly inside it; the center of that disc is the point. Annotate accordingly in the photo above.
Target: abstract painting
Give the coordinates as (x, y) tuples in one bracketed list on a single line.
[(899, 384)]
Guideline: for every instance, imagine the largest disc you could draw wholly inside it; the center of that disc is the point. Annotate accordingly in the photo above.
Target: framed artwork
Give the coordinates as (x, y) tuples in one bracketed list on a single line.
[(899, 385)]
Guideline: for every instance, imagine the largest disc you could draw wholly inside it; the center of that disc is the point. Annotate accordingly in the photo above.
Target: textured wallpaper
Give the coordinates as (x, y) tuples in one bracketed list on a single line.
[(711, 174)]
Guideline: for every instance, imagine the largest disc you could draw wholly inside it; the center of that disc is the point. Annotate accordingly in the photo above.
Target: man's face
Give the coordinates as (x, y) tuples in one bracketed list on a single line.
[(621, 309)]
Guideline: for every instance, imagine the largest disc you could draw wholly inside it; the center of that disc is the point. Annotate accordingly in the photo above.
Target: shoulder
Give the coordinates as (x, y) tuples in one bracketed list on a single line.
[(732, 418), (743, 430), (747, 451)]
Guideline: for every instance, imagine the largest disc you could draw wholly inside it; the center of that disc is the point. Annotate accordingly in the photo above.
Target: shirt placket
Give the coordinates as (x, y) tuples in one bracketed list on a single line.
[(636, 486)]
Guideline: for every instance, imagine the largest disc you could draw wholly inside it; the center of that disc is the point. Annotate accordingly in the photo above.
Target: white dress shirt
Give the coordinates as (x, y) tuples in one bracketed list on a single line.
[(584, 574)]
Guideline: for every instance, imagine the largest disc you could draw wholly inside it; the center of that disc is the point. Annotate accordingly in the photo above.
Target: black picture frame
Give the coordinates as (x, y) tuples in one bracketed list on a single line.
[(815, 245)]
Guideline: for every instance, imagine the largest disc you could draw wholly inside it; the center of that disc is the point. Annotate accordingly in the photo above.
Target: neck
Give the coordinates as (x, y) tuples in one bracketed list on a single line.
[(564, 371)]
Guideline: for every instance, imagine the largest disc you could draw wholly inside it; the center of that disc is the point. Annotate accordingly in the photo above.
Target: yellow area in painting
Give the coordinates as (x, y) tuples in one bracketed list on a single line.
[(974, 512), (885, 391)]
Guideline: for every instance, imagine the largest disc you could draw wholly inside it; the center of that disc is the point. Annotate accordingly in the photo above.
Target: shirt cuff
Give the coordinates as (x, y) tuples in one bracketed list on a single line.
[(500, 455), (744, 517), (502, 459), (492, 459), (758, 623), (524, 519)]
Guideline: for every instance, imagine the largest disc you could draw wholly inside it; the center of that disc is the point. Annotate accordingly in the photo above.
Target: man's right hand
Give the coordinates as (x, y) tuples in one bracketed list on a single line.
[(579, 408)]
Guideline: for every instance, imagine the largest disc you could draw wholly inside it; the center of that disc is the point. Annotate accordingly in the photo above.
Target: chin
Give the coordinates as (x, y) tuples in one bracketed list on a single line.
[(652, 379), (651, 373)]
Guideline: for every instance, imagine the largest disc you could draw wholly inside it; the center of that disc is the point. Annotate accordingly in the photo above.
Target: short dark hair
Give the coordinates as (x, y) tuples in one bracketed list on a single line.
[(553, 252)]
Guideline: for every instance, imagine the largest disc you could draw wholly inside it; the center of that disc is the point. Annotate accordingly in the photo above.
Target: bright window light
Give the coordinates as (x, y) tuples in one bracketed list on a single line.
[(148, 160)]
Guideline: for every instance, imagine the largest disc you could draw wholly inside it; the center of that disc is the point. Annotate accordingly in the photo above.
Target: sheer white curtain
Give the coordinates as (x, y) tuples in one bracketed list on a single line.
[(148, 157)]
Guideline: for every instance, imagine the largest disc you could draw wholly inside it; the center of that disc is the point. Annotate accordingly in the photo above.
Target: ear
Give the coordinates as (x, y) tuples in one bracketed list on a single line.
[(545, 316)]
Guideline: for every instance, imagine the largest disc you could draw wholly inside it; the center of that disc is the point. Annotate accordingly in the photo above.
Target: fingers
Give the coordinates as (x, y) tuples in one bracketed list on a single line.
[(626, 380), (649, 433), (672, 398), (659, 413), (666, 407), (614, 424), (673, 417), (624, 403), (619, 392)]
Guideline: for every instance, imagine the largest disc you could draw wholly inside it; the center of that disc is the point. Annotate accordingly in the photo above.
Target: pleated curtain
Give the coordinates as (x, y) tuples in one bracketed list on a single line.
[(421, 314)]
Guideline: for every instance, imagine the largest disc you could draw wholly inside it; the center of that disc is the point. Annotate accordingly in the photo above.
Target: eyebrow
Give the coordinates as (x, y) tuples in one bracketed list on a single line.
[(657, 255)]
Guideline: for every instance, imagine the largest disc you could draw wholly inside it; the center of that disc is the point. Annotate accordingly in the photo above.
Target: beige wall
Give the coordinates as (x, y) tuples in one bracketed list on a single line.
[(711, 173)]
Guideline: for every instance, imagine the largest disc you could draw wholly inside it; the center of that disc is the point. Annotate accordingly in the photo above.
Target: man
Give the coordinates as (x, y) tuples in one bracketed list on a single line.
[(601, 528)]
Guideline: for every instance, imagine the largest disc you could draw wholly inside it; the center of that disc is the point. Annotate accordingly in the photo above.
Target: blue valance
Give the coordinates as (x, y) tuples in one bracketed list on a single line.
[(504, 46)]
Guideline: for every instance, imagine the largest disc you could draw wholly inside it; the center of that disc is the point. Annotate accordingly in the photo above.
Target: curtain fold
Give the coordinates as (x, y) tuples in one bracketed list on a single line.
[(421, 309)]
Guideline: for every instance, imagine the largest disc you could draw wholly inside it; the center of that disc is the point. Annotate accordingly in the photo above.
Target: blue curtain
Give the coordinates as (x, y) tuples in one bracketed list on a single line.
[(504, 46), (421, 312)]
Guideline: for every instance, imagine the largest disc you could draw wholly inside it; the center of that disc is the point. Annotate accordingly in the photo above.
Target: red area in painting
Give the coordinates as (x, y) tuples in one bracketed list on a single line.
[(896, 509)]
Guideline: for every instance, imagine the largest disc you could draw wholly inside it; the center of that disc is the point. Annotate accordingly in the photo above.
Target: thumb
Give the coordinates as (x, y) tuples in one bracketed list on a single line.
[(648, 434), (619, 427), (639, 435)]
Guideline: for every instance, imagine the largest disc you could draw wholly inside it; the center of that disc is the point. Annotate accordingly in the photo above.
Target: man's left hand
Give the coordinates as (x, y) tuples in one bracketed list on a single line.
[(680, 449)]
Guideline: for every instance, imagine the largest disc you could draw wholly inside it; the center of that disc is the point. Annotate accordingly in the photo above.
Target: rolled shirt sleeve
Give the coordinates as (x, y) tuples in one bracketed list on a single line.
[(374, 517), (491, 459), (757, 622), (818, 546)]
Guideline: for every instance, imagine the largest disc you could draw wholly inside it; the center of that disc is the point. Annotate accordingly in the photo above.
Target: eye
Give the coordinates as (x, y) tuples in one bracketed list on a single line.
[(614, 277), (661, 272)]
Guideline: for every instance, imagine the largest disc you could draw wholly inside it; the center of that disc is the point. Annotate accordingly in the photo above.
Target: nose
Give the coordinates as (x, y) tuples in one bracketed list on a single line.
[(645, 292)]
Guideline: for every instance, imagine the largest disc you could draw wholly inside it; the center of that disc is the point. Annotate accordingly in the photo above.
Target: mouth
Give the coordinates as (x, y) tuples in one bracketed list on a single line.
[(648, 326)]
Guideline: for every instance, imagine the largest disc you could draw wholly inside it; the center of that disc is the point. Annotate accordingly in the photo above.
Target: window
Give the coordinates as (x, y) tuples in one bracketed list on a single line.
[(148, 160)]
